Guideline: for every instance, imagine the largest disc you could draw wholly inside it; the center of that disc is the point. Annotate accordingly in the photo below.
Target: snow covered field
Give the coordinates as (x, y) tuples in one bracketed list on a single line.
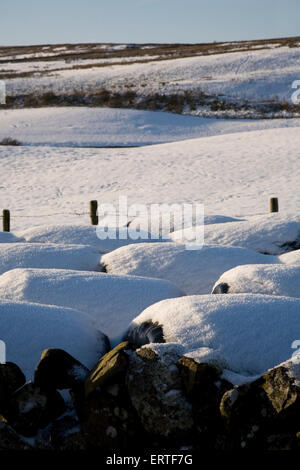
[(232, 175), (118, 127)]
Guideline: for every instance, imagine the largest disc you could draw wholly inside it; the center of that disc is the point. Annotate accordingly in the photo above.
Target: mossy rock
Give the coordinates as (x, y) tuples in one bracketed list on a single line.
[(111, 364)]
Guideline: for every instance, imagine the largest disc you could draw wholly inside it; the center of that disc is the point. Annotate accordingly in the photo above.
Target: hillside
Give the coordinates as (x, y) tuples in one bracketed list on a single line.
[(239, 79)]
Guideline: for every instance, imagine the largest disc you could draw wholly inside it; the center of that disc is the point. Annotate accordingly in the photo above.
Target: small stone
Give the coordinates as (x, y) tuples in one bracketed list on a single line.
[(268, 406), (110, 365), (11, 378), (31, 409), (66, 434), (9, 439), (59, 370), (198, 377), (109, 421), (204, 387), (121, 413), (111, 432), (113, 389), (284, 441), (156, 394), (147, 354)]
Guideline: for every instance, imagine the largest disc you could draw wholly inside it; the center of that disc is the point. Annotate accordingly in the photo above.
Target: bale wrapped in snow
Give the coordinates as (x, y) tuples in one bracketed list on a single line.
[(193, 271), (27, 329), (42, 255), (293, 257), (260, 279), (169, 218), (82, 235), (111, 301), (272, 234), (246, 334)]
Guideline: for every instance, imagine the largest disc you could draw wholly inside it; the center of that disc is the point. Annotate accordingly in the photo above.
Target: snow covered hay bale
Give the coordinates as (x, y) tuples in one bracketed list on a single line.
[(193, 271), (292, 257), (93, 236), (246, 334), (271, 279), (28, 329), (48, 255), (272, 234), (111, 301)]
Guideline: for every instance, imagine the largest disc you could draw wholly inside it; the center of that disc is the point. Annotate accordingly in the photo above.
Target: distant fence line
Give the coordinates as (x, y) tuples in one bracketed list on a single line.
[(47, 215), (94, 219)]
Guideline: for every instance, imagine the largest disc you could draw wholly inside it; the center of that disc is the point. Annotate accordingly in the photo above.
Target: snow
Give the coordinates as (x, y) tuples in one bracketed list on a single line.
[(46, 66), (36, 255), (263, 233), (8, 237), (219, 219), (76, 234), (62, 234), (27, 329), (293, 257), (193, 271), (292, 366), (160, 224), (233, 175), (111, 301), (168, 352), (80, 126), (246, 334), (277, 280), (232, 167)]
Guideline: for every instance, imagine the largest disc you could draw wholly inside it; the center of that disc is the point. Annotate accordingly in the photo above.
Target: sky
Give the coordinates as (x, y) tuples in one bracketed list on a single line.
[(24, 22)]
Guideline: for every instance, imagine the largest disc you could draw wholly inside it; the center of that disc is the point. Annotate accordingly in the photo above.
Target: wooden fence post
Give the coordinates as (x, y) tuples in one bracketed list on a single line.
[(274, 204), (93, 212), (6, 220)]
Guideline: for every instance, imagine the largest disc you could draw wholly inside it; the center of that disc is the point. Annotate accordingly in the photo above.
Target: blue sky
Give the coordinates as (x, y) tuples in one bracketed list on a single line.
[(60, 21)]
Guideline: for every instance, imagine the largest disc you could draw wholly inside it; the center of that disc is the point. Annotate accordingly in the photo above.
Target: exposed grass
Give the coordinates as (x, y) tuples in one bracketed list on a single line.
[(98, 51), (188, 101), (194, 101), (9, 141)]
